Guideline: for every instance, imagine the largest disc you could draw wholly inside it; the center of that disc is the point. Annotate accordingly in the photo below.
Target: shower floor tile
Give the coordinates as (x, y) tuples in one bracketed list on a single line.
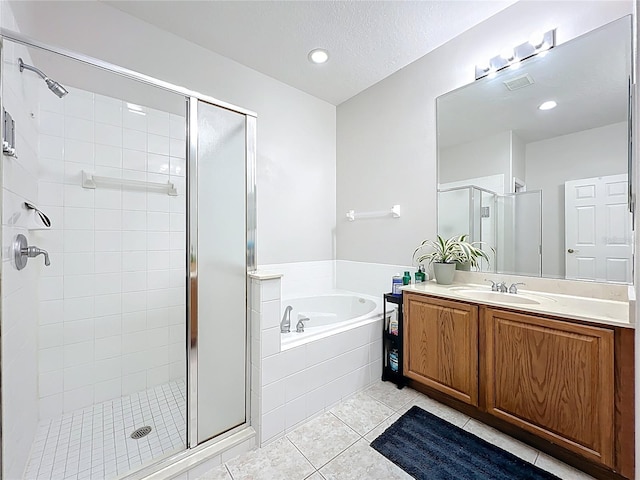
[(95, 442)]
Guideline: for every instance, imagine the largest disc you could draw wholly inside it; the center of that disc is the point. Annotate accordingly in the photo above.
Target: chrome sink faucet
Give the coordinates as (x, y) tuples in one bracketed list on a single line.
[(497, 287), (502, 287), (494, 285), (285, 324)]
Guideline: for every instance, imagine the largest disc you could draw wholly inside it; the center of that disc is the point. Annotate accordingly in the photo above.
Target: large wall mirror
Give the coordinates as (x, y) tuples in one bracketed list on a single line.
[(547, 190)]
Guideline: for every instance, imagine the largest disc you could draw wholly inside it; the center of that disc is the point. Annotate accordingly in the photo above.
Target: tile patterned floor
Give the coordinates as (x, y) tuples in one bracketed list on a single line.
[(95, 443), (335, 445)]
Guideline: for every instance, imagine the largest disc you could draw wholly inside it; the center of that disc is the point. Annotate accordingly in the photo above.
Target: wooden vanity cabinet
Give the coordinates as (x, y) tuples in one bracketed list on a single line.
[(545, 380), (441, 345), (552, 378)]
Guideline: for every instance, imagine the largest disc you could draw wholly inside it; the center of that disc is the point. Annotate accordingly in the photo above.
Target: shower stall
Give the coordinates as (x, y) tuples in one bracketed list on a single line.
[(128, 228), (508, 225)]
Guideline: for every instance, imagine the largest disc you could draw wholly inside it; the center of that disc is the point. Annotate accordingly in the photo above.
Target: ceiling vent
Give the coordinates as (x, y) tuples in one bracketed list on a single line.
[(519, 82)]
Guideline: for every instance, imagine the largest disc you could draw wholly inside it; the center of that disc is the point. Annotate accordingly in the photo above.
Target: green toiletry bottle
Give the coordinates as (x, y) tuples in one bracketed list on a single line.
[(406, 280)]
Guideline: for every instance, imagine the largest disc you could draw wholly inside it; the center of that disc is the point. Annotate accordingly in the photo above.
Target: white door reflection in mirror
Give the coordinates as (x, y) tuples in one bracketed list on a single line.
[(598, 237)]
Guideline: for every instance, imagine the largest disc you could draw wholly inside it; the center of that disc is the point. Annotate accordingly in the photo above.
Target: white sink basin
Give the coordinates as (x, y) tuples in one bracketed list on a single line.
[(515, 298)]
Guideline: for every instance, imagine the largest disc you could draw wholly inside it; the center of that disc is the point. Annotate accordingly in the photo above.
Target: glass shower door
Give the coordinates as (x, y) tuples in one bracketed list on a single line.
[(218, 269), (520, 246)]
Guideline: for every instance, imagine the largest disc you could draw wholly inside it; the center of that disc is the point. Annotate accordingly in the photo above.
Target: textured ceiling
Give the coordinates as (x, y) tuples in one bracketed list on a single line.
[(367, 40)]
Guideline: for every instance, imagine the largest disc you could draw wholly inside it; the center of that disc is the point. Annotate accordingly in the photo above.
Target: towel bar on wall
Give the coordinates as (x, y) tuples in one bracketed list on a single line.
[(393, 211), (92, 181)]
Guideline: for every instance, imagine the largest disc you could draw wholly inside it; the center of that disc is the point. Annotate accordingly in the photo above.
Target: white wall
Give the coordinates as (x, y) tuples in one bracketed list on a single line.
[(296, 132), (19, 288), (518, 164), (112, 303), (550, 163), (386, 138), (489, 156)]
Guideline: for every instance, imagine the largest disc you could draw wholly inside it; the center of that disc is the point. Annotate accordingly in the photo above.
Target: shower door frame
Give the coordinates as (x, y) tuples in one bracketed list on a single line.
[(191, 100)]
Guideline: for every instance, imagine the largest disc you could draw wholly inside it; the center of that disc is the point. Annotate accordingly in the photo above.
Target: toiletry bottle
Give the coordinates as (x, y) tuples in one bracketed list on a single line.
[(423, 275), (406, 280), (393, 360), (393, 324), (396, 283)]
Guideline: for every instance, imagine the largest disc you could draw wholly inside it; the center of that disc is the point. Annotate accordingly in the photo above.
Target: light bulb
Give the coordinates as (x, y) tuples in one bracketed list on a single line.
[(536, 40), (507, 54)]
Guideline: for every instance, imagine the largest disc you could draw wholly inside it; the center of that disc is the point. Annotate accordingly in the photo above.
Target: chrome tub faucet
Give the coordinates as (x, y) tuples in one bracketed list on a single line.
[(285, 324), (300, 324)]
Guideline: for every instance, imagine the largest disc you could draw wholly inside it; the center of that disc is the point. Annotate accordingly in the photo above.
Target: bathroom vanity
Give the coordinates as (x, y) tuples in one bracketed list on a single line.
[(553, 370)]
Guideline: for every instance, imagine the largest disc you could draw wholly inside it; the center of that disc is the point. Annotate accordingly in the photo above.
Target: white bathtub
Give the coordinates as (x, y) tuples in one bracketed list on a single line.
[(328, 314)]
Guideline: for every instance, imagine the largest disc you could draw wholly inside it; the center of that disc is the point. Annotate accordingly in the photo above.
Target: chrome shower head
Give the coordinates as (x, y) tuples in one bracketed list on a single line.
[(54, 86)]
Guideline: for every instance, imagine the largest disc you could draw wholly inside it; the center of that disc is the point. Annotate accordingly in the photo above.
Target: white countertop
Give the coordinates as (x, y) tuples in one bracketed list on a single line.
[(596, 310)]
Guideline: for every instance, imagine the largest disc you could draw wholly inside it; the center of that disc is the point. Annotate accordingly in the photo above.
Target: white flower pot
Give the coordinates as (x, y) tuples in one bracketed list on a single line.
[(444, 272)]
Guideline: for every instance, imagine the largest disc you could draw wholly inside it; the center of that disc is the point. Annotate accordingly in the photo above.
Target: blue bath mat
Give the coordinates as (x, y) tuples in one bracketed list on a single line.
[(429, 448)]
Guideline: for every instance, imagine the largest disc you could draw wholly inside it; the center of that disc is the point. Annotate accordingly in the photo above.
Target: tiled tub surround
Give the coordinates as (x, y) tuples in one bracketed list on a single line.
[(302, 278), (95, 442), (112, 303), (293, 385), (335, 445)]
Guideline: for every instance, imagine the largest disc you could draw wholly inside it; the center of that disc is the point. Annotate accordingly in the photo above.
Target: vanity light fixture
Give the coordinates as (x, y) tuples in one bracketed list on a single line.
[(548, 105), (538, 43), (318, 55)]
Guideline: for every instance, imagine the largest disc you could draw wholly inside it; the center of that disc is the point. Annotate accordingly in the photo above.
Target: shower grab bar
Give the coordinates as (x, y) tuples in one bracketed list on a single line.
[(92, 181), (393, 211)]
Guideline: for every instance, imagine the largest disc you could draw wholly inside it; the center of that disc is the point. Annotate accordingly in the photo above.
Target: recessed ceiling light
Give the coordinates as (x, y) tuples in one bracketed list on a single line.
[(548, 105), (318, 55)]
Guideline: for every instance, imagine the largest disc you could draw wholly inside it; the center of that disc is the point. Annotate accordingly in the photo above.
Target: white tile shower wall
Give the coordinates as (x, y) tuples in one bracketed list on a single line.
[(368, 278), (291, 386), (19, 288), (112, 304), (301, 278)]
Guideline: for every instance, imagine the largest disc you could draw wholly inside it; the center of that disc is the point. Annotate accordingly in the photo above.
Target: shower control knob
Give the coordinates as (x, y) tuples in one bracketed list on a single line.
[(22, 252)]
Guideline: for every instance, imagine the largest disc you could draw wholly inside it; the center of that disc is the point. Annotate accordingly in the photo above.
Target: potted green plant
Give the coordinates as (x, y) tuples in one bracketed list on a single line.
[(445, 253)]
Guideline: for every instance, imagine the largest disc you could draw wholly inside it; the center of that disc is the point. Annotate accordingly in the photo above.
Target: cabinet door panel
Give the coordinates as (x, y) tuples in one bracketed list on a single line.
[(553, 378), (441, 346)]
